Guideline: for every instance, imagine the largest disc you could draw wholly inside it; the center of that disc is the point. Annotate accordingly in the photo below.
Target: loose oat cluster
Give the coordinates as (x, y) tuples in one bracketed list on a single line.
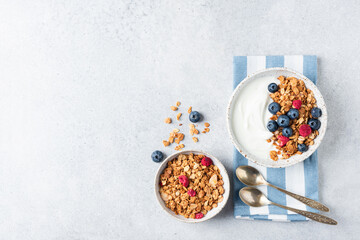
[(293, 94), (191, 185), (176, 136)]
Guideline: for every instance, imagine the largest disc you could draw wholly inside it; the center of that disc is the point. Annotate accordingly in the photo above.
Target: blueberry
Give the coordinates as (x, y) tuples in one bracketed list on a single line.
[(283, 121), (287, 132), (274, 107), (157, 156), (273, 87), (314, 123), (194, 116), (293, 113), (272, 126), (316, 112), (302, 147)]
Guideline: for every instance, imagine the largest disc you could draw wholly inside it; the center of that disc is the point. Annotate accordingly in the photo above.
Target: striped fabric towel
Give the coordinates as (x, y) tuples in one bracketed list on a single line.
[(301, 178)]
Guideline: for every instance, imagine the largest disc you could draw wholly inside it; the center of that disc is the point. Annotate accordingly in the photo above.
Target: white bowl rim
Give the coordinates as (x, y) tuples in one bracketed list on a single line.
[(312, 148), (223, 173)]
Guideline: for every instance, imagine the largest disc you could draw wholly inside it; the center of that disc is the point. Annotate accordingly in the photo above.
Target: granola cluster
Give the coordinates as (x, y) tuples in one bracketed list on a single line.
[(176, 136), (191, 185), (292, 93)]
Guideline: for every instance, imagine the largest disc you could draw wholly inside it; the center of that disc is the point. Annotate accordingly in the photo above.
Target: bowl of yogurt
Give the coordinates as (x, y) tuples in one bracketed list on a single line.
[(248, 115)]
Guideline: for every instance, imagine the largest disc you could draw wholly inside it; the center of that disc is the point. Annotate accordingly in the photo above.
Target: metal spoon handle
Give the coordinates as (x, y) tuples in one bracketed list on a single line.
[(311, 215), (305, 200)]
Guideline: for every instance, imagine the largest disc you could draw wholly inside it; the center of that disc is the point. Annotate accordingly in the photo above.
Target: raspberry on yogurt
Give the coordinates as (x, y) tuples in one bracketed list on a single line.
[(283, 140), (184, 180), (305, 130), (296, 104), (206, 161), (199, 215), (191, 193)]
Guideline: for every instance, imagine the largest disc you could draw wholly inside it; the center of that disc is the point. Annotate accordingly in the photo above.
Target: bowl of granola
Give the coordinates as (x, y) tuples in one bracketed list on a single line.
[(276, 117), (192, 186)]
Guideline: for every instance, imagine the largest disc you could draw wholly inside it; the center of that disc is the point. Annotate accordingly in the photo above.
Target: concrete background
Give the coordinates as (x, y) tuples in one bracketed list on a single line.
[(85, 87)]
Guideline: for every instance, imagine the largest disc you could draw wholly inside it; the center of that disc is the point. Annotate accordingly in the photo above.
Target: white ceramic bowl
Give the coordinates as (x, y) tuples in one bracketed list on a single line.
[(276, 72), (213, 211)]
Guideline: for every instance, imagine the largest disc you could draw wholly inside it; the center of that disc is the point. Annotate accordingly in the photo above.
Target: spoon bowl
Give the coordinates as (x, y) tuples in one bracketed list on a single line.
[(253, 197), (250, 176)]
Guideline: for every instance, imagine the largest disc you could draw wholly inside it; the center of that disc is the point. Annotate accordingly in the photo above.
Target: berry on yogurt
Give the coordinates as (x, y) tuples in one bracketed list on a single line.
[(283, 121), (302, 147), (287, 132), (293, 113), (283, 140), (274, 107), (305, 130), (272, 126), (296, 104), (316, 112), (314, 123), (273, 87)]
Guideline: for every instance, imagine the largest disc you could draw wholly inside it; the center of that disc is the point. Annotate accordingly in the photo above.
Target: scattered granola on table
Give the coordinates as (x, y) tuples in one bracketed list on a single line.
[(178, 116), (295, 121), (176, 136), (168, 120), (191, 185)]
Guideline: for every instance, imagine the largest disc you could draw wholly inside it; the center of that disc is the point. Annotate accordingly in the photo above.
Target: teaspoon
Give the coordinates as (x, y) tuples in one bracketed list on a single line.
[(255, 198), (252, 177)]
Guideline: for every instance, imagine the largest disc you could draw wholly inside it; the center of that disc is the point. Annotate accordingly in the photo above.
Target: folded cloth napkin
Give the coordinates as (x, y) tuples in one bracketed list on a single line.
[(301, 178)]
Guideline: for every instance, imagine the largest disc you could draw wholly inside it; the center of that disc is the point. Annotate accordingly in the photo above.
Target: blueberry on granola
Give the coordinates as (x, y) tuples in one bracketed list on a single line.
[(272, 126), (302, 147), (274, 107), (314, 123), (157, 156), (293, 113), (316, 112), (283, 121), (273, 87), (194, 116), (287, 132)]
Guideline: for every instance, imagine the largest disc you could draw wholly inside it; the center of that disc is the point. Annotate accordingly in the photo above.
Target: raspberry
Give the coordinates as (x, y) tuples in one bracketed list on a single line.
[(184, 180), (191, 193), (296, 104), (283, 140), (199, 215), (206, 161), (305, 130)]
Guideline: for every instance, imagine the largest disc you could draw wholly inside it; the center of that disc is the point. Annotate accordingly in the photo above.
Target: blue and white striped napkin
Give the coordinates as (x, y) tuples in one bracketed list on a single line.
[(301, 178)]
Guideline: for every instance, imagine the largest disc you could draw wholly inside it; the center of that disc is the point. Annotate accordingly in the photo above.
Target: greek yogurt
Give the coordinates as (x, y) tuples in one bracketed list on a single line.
[(250, 117)]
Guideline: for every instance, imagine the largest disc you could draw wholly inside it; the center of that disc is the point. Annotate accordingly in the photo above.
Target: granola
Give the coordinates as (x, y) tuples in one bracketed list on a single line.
[(168, 120), (176, 136), (178, 116), (292, 93), (191, 188)]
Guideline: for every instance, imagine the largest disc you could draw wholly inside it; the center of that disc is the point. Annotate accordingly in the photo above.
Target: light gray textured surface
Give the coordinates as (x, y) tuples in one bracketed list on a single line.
[(85, 87)]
